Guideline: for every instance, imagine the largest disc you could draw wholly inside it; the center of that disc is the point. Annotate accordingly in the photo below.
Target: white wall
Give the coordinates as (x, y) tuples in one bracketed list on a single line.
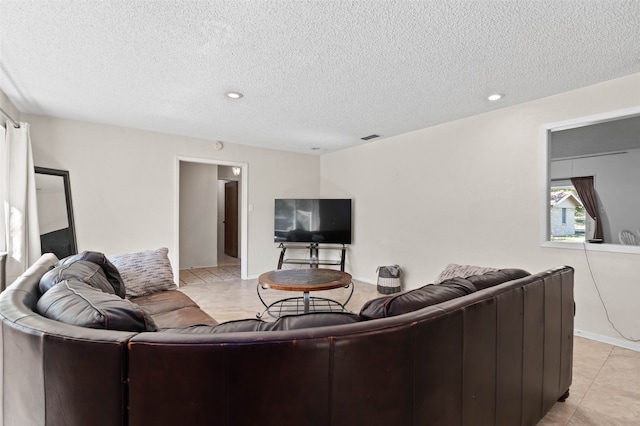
[(468, 192), (198, 215), (123, 184)]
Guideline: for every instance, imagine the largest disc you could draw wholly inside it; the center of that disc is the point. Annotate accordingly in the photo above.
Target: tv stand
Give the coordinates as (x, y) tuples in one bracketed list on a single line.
[(314, 259)]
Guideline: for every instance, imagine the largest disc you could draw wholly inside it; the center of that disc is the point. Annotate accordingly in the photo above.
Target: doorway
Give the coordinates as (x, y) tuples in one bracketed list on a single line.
[(229, 216), (230, 221), (204, 170)]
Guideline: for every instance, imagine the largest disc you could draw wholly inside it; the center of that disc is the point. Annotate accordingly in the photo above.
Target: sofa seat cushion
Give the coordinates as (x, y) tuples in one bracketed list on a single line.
[(172, 309), (489, 279), (163, 301), (192, 329), (145, 272), (419, 298), (289, 322), (183, 317), (77, 303)]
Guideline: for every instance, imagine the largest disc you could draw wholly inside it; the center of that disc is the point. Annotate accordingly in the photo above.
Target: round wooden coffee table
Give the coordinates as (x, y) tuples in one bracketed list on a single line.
[(305, 280)]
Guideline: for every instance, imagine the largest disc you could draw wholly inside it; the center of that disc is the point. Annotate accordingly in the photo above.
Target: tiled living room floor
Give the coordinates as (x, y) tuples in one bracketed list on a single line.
[(228, 269), (606, 378)]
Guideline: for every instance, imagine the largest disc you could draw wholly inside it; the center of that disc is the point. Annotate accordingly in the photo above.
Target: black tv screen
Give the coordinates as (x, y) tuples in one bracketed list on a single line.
[(306, 220)]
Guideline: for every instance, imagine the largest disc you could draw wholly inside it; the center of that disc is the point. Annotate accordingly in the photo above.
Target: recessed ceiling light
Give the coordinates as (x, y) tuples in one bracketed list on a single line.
[(234, 95), (495, 97)]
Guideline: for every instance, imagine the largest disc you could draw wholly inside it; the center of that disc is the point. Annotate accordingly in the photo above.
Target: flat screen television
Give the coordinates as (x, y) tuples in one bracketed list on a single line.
[(313, 220)]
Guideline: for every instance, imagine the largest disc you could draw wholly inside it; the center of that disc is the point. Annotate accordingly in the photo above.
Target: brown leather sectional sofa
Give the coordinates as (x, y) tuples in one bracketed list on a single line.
[(500, 355)]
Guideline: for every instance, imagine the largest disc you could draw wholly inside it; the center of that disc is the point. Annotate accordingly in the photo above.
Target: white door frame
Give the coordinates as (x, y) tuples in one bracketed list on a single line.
[(244, 185)]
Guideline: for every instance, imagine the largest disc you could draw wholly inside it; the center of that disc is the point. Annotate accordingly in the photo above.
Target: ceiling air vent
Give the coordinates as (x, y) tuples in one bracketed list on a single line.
[(368, 138)]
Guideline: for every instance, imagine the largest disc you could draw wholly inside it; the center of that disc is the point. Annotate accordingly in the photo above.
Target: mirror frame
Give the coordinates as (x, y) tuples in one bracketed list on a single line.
[(545, 186), (67, 195)]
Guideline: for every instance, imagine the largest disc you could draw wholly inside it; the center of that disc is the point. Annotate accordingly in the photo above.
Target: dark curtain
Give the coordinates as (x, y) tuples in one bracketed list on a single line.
[(587, 193)]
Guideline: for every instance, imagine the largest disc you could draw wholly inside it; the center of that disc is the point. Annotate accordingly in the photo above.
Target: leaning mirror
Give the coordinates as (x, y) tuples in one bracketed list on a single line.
[(55, 212), (593, 180)]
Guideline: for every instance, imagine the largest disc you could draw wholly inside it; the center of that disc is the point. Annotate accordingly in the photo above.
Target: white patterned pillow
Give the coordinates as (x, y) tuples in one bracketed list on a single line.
[(145, 272), (463, 271)]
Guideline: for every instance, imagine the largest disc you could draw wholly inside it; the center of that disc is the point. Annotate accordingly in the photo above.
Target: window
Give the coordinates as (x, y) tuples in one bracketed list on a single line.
[(567, 215), (604, 148)]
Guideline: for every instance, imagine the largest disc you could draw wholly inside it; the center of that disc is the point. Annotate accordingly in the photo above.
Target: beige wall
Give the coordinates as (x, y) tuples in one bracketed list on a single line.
[(469, 192), (462, 192), (198, 215), (124, 184)]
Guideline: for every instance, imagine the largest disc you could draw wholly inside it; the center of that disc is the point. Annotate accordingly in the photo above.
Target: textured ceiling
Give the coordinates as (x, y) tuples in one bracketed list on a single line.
[(314, 74)]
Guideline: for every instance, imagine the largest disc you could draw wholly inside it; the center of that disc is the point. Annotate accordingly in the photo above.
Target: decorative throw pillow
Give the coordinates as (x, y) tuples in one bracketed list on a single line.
[(145, 272), (463, 271)]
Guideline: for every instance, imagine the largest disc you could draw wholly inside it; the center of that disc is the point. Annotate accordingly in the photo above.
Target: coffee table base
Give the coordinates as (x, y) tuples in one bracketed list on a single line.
[(299, 305)]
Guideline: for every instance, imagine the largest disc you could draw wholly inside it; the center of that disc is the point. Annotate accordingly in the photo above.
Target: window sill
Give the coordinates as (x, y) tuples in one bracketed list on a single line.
[(612, 248)]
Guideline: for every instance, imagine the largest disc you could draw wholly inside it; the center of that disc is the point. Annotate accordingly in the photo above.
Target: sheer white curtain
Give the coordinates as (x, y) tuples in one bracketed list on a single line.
[(18, 212)]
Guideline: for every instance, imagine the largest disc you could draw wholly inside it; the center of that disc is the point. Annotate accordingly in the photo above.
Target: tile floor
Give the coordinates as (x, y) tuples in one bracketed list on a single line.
[(606, 378)]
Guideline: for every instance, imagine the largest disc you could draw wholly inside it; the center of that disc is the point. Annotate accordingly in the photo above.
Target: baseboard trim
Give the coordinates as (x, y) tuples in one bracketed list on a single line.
[(634, 346)]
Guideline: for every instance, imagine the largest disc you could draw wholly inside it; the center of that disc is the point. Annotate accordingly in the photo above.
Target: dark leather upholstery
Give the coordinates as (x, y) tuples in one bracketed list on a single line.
[(430, 294), (82, 270), (173, 309), (74, 302), (54, 373), (289, 322), (110, 271), (489, 279), (498, 356)]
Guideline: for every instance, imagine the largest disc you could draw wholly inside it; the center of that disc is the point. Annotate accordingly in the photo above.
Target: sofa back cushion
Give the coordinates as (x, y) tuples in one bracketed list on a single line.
[(419, 298), (243, 325), (289, 322), (80, 270), (492, 278), (314, 319), (74, 302), (109, 269)]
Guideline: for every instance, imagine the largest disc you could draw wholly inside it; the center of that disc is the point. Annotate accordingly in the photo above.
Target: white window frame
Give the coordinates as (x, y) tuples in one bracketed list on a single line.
[(545, 182)]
